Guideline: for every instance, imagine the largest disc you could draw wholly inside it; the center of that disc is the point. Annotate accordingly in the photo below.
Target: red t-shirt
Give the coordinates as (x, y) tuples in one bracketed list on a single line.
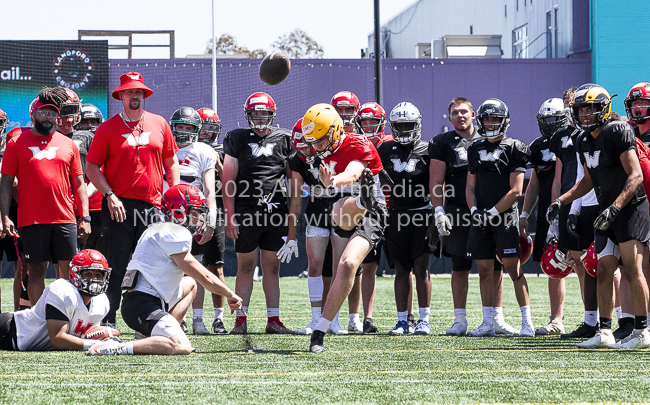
[(644, 160), (43, 166), (354, 147), (133, 160)]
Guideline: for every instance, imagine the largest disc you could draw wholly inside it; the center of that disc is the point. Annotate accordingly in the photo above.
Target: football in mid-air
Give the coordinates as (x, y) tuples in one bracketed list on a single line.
[(101, 332), (275, 68)]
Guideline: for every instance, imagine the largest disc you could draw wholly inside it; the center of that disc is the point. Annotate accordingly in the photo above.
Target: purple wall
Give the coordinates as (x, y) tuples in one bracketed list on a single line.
[(429, 84)]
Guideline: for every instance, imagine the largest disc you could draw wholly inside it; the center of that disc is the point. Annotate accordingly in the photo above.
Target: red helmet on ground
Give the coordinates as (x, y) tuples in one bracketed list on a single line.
[(525, 249), (555, 263), (640, 91), (177, 203), (590, 260), (259, 102), (89, 259), (344, 100), (70, 109), (298, 143), (371, 111), (211, 128)]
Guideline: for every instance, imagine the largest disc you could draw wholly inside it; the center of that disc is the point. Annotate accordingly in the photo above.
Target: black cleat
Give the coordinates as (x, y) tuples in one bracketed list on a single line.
[(411, 321), (368, 326), (366, 190), (625, 328), (218, 327), (316, 344), (583, 331)]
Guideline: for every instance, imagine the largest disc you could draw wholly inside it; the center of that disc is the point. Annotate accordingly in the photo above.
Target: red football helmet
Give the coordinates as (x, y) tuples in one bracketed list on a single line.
[(525, 249), (371, 111), (590, 260), (342, 101), (555, 263), (259, 102), (70, 110), (298, 142), (640, 91), (89, 259), (177, 203), (211, 128)]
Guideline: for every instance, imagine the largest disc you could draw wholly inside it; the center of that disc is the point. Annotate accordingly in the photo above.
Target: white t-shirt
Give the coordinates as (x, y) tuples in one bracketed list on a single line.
[(31, 326), (159, 274), (193, 161)]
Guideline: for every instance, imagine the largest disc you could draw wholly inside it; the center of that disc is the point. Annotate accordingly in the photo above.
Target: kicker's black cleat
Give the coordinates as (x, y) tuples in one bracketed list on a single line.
[(368, 326), (583, 331), (366, 190), (316, 344)]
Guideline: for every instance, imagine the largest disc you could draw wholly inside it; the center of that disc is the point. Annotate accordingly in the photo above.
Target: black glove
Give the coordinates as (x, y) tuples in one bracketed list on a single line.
[(606, 218), (553, 210), (572, 225)]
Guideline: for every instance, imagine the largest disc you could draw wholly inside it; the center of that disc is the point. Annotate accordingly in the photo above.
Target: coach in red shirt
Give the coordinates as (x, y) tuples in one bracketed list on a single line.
[(135, 148), (48, 168)]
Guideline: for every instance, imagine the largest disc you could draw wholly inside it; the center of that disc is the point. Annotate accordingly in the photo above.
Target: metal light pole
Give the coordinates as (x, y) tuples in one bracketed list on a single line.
[(378, 82), (214, 64)]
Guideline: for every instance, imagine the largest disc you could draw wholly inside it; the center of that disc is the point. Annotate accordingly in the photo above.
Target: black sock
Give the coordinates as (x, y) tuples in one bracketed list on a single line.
[(605, 323), (640, 322)]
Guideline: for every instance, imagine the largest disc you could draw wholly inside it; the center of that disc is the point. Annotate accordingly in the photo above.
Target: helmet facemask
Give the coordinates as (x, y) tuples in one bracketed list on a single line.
[(550, 124), (493, 130), (184, 136), (260, 122), (347, 113), (598, 110), (631, 109), (209, 133), (372, 128)]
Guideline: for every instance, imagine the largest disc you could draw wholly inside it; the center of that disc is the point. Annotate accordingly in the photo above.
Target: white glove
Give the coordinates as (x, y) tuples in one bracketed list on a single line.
[(442, 222), (553, 231), (287, 250)]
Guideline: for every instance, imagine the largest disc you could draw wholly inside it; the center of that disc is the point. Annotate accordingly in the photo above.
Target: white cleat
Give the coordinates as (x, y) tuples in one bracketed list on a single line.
[(639, 339), (483, 330), (108, 348), (355, 325), (335, 328), (307, 330), (459, 328), (527, 330), (198, 327), (501, 327), (603, 339), (554, 327)]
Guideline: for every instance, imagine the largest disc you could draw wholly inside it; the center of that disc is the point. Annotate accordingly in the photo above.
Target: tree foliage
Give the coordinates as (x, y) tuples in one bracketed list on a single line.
[(298, 45), (227, 45)]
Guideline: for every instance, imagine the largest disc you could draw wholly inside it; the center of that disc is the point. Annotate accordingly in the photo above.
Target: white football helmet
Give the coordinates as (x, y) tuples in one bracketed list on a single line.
[(406, 123)]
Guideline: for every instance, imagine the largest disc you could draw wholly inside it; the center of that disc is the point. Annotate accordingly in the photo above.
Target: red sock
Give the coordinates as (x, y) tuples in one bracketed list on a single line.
[(275, 319)]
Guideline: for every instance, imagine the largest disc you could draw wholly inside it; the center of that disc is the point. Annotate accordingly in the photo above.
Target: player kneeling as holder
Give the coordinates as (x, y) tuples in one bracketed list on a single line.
[(157, 294), (66, 315)]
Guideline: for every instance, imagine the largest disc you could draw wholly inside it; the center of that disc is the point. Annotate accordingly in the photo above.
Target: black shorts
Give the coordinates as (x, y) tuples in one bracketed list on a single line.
[(260, 229), (8, 245), (142, 311), (565, 241), (319, 212), (371, 227), (586, 226), (541, 229), (501, 236), (56, 242), (406, 236), (375, 254), (632, 223), (96, 238), (8, 332), (455, 244), (213, 250)]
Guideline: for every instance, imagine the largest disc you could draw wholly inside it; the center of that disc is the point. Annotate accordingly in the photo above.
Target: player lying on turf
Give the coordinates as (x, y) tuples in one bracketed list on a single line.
[(157, 294), (65, 315)]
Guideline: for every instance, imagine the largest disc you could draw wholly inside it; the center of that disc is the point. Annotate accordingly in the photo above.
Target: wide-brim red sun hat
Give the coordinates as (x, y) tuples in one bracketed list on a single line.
[(131, 80)]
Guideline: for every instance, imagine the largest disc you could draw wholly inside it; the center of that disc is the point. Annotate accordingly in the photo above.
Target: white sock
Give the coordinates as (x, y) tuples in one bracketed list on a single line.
[(323, 324), (242, 312), (315, 288), (272, 312), (197, 313), (488, 315), (648, 315), (626, 315), (460, 315), (619, 312), (498, 313), (591, 318), (218, 313), (424, 314), (359, 203), (354, 317), (525, 315), (129, 347), (315, 313), (401, 316)]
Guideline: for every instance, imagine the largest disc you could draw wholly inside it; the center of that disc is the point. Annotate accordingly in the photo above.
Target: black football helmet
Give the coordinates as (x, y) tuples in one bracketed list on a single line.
[(493, 107), (91, 118), (186, 115)]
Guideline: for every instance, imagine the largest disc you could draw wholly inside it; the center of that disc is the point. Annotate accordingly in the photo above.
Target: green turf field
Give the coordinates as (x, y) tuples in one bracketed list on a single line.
[(355, 369)]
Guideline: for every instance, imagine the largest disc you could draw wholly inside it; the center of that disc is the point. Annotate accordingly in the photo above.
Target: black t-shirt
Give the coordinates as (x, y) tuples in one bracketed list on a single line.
[(83, 140), (261, 178), (542, 160), (408, 167), (645, 138), (562, 144), (492, 164), (317, 205), (451, 148), (217, 179), (601, 156)]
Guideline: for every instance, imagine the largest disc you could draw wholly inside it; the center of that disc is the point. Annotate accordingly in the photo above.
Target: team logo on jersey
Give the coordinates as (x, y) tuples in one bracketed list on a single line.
[(47, 153), (185, 162), (330, 166), (81, 328), (566, 142), (257, 150), (400, 166), (461, 155), (77, 142), (592, 160), (313, 171), (547, 155), (73, 68), (486, 156), (142, 140)]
